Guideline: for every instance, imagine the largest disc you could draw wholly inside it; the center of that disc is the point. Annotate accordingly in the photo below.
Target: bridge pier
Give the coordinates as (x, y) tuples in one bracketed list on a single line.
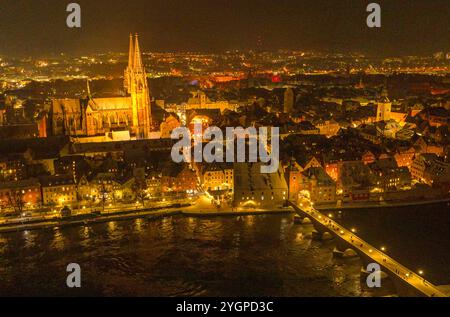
[(302, 220), (306, 221), (322, 236), (342, 250), (386, 288)]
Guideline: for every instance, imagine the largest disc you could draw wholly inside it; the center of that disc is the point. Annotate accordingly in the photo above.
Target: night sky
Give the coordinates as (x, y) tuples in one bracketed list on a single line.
[(37, 27)]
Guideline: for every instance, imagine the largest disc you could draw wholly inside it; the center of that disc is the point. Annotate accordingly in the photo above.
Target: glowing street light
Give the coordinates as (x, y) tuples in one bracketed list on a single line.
[(421, 272), (383, 249), (353, 230)]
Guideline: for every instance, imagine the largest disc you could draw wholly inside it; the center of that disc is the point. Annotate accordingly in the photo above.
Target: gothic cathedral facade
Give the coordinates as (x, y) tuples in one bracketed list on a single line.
[(97, 116)]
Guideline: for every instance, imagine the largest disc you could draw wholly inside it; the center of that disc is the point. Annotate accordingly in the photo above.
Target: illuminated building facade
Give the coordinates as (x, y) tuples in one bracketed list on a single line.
[(199, 100), (58, 190), (320, 186), (16, 195), (429, 169), (97, 116), (179, 178), (217, 177), (12, 169)]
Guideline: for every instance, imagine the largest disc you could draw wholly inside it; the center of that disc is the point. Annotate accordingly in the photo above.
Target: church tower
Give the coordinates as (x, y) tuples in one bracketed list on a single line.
[(135, 82), (384, 107)]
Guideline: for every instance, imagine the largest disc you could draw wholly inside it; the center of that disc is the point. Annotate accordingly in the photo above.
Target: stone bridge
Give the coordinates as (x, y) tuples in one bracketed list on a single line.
[(405, 281)]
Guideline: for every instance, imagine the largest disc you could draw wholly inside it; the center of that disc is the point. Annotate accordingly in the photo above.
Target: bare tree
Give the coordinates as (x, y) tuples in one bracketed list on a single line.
[(15, 201), (140, 190), (103, 195)]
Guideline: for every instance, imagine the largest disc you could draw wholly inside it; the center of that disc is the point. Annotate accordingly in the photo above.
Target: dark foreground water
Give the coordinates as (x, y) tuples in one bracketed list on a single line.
[(235, 256), (418, 236), (246, 256)]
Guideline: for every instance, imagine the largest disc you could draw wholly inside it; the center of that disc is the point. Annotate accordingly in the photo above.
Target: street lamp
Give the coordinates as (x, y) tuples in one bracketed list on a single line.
[(383, 249), (421, 272), (353, 230)]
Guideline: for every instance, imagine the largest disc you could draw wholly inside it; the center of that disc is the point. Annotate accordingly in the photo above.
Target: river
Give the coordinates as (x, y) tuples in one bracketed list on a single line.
[(264, 255)]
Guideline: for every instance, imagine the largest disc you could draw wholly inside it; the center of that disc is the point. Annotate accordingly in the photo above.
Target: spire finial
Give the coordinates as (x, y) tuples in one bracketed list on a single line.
[(88, 88), (137, 54), (131, 52)]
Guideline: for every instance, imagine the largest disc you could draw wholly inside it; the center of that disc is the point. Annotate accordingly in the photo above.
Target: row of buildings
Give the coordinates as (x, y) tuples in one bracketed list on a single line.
[(360, 180), (239, 183), (112, 187)]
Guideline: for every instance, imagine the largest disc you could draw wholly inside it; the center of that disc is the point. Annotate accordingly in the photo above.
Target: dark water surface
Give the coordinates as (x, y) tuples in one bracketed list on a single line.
[(233, 256), (416, 236), (237, 256)]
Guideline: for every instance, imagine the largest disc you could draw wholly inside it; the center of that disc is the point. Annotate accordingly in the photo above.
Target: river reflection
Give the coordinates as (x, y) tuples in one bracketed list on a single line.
[(234, 256)]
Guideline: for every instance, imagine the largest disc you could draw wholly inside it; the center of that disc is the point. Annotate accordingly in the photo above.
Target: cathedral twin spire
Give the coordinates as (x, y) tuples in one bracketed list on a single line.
[(134, 54), (131, 52), (135, 64), (136, 86), (137, 55)]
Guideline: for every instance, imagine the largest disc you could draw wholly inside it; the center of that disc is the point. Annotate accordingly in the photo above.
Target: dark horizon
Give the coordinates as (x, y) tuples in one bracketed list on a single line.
[(409, 27)]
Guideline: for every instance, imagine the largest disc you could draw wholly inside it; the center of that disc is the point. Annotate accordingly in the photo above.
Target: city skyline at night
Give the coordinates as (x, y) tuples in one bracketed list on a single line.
[(225, 149), (408, 27)]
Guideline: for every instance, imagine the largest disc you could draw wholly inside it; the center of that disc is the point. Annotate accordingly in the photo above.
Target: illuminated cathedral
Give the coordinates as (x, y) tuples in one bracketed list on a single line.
[(98, 116)]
